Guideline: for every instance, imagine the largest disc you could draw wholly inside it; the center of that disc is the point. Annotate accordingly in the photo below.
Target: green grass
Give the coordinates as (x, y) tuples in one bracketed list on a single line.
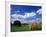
[(20, 28), (24, 28)]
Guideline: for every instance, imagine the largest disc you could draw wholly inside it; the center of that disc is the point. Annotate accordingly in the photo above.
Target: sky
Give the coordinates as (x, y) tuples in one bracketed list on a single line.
[(25, 13)]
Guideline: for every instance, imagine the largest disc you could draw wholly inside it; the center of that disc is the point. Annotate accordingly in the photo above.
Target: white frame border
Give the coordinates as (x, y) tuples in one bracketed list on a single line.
[(8, 33)]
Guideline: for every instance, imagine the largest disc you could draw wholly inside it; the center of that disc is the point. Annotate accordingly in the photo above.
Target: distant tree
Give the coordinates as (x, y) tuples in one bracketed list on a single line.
[(17, 23)]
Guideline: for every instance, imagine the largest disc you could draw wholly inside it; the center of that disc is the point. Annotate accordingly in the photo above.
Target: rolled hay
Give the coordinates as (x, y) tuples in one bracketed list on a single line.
[(36, 26)]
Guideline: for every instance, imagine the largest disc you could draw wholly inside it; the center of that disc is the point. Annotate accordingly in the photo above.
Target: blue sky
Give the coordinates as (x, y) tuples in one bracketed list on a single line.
[(25, 13)]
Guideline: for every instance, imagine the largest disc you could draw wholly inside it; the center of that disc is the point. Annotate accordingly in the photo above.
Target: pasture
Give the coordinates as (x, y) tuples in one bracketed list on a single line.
[(29, 27)]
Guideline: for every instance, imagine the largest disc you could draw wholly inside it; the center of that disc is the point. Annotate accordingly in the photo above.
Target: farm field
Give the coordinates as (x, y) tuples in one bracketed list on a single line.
[(21, 28), (29, 27)]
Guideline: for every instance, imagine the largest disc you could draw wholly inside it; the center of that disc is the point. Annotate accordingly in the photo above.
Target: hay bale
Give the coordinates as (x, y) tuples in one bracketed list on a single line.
[(35, 26)]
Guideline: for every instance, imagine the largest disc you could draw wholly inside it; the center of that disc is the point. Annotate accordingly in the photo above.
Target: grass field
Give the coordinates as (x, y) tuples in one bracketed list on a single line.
[(20, 28), (30, 27)]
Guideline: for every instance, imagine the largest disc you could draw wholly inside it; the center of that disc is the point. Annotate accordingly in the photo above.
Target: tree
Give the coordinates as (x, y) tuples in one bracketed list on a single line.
[(17, 23)]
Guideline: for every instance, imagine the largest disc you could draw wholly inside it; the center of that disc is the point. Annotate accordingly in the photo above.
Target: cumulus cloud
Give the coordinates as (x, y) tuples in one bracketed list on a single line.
[(30, 14), (39, 11), (25, 16), (22, 17)]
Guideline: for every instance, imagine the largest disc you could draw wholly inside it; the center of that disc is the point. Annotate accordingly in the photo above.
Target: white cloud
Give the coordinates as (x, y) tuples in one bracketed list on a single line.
[(30, 14), (16, 16), (22, 17), (39, 11)]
